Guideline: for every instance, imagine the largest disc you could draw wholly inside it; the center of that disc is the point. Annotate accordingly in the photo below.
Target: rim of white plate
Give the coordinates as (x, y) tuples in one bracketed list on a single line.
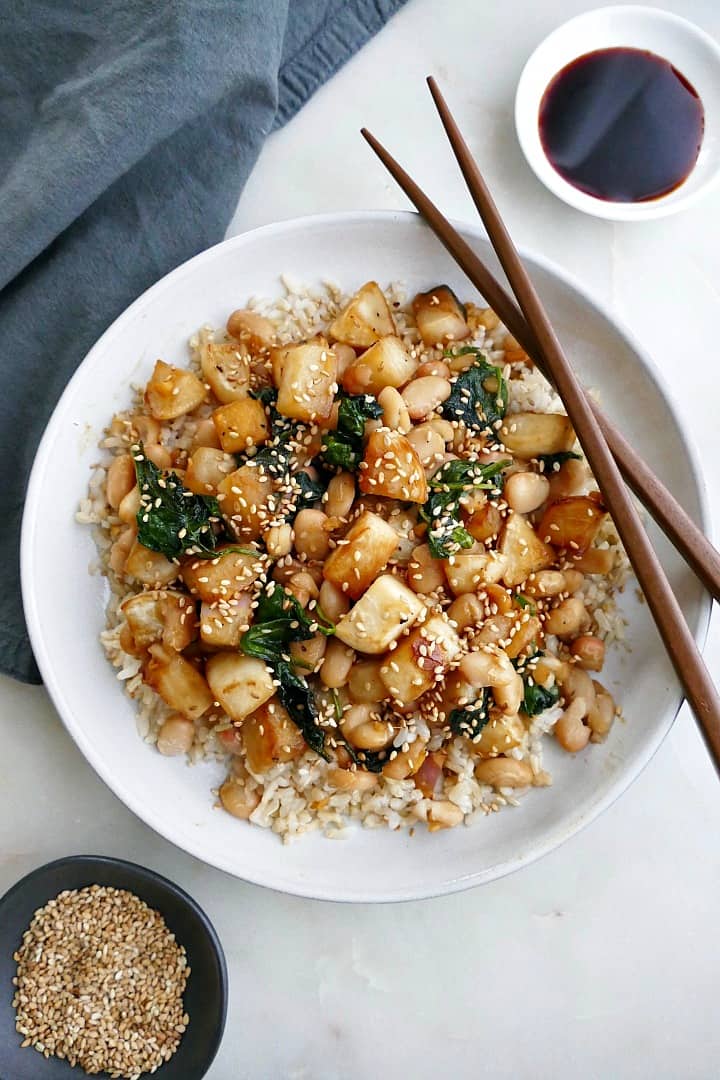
[(53, 683)]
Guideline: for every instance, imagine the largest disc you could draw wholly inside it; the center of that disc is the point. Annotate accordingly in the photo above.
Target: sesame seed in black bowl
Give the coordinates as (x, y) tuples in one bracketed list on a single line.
[(107, 967)]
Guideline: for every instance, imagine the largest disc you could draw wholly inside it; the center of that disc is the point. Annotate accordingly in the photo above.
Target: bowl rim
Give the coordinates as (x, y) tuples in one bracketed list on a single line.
[(53, 684), (525, 115), (140, 872)]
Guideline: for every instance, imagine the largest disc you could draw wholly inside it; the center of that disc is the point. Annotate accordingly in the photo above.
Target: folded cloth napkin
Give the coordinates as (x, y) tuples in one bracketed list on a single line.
[(127, 131)]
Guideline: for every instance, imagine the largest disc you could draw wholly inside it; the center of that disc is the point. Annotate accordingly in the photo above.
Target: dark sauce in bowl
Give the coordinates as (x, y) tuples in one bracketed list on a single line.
[(622, 124)]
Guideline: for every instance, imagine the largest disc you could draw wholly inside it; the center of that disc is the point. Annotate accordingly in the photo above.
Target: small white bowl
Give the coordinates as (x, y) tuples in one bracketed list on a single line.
[(688, 48)]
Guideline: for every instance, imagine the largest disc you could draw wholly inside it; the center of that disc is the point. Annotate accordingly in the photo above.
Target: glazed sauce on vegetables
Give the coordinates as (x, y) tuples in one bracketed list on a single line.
[(622, 124)]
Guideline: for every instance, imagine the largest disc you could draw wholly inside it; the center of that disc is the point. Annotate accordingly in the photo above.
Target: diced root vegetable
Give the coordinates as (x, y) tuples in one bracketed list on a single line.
[(420, 659), (392, 468), (206, 470), (572, 523), (251, 329), (223, 622), (226, 369), (525, 552), (365, 318), (356, 563), (594, 561), (222, 576), (243, 497), (380, 616), (240, 683), (269, 737), (150, 567), (178, 682), (172, 392), (241, 425), (529, 434), (468, 571), (386, 363), (440, 316), (306, 378), (161, 615)]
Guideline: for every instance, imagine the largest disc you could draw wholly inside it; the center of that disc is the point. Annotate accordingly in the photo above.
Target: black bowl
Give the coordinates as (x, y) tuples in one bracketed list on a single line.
[(206, 992)]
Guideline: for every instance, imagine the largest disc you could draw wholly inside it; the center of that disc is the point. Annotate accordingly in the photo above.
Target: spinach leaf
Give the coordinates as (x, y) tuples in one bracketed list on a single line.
[(371, 760), (537, 699), (343, 448), (275, 456), (354, 410), (297, 697), (550, 463), (339, 452), (446, 535), (278, 620), (309, 491), (478, 406), (471, 720), (267, 395), (172, 519)]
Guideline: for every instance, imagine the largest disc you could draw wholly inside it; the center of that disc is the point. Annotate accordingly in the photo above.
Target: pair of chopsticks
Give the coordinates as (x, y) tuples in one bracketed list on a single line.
[(609, 454)]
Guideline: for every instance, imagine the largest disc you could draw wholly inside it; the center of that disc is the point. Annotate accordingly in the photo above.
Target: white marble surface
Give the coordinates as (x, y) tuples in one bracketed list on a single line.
[(601, 960)]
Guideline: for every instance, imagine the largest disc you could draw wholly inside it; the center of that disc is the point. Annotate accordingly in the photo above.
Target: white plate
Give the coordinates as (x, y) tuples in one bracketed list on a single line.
[(64, 604), (693, 52)]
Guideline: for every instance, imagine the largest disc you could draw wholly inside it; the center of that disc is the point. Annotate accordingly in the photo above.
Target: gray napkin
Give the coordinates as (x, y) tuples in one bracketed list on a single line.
[(127, 131)]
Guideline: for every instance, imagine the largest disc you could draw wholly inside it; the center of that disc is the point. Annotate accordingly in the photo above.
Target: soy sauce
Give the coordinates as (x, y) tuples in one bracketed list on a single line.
[(622, 124)]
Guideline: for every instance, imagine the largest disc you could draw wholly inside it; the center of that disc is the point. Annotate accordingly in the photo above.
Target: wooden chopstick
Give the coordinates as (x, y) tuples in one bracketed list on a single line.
[(679, 642), (675, 522)]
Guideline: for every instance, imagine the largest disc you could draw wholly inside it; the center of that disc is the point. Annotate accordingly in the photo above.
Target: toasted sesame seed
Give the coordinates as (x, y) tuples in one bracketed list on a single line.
[(128, 1018)]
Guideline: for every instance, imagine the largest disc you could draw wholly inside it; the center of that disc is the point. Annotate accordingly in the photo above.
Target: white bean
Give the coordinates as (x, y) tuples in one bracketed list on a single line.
[(120, 479), (237, 799), (427, 443), (567, 618), (175, 736), (503, 772), (570, 731), (361, 725), (311, 539), (332, 602), (279, 541), (425, 574), (340, 495), (526, 491), (337, 663), (422, 396), (395, 414)]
